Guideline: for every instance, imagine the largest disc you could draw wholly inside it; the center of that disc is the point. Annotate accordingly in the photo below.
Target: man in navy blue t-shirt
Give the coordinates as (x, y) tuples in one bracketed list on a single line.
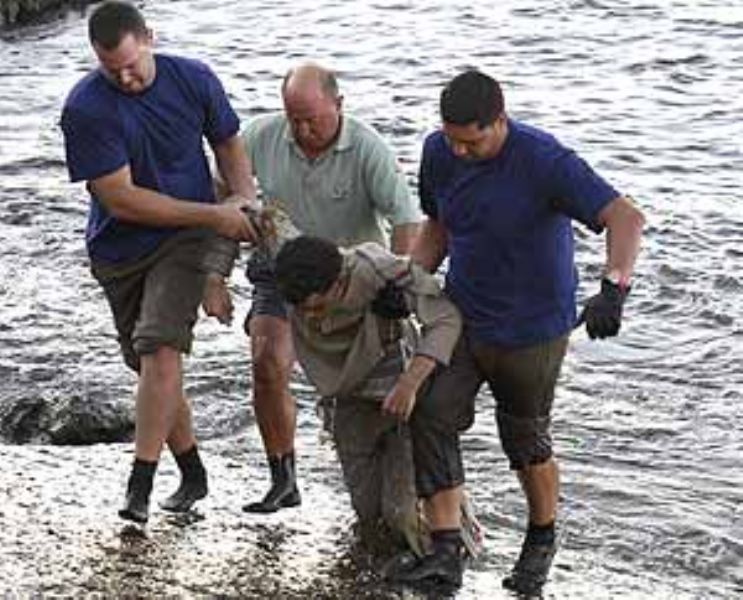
[(133, 132), (500, 197)]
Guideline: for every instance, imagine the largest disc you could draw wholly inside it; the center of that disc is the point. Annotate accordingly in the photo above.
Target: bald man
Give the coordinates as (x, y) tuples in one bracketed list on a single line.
[(337, 179)]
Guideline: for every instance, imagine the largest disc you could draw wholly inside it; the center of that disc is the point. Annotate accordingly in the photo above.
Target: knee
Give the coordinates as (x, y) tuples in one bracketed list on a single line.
[(526, 441), (163, 363), (271, 372)]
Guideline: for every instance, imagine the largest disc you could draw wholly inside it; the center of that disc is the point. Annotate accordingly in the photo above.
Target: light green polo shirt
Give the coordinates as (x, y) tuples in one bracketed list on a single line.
[(352, 193)]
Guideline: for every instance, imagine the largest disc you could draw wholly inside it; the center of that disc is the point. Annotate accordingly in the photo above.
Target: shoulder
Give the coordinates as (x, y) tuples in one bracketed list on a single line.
[(190, 67), (363, 136), (435, 146), (534, 142), (92, 99), (265, 126), (93, 87), (375, 257)]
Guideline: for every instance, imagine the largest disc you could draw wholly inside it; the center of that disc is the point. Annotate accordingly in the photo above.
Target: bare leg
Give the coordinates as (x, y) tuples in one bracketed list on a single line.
[(273, 358), (541, 485), (159, 395), (181, 437), (275, 409), (443, 509)]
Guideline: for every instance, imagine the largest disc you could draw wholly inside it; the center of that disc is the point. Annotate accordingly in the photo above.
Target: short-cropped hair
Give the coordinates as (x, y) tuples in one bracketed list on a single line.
[(307, 265), (114, 20), (472, 97)]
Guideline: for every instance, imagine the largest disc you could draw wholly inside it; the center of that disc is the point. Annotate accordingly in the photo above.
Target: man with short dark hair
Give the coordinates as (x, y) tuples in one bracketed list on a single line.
[(133, 132), (370, 367), (500, 197), (334, 177)]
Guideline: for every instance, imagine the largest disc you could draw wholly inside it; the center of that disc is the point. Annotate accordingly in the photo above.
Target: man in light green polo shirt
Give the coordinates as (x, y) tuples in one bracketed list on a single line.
[(337, 179)]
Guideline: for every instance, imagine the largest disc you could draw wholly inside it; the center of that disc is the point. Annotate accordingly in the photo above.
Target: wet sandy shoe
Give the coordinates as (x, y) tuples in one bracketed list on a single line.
[(188, 492), (284, 492), (437, 568), (530, 572), (136, 507)]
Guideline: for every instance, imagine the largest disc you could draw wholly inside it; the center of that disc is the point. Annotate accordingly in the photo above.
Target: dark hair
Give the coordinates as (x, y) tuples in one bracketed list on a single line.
[(471, 97), (326, 78), (112, 21), (307, 265)]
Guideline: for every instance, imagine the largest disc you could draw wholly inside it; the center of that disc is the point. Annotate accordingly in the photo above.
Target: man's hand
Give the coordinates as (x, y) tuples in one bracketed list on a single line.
[(231, 221), (603, 312), (217, 301), (389, 303), (401, 400)]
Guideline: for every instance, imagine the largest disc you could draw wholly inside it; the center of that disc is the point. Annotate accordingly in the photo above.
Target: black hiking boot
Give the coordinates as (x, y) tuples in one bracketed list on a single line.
[(137, 503), (443, 566), (188, 492), (193, 484), (530, 572), (284, 492)]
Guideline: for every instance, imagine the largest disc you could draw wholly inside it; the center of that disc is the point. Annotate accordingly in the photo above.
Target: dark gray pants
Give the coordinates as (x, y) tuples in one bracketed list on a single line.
[(375, 453), (522, 381)]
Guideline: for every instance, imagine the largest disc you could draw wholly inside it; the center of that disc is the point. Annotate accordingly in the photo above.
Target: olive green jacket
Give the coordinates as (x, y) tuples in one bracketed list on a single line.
[(340, 350)]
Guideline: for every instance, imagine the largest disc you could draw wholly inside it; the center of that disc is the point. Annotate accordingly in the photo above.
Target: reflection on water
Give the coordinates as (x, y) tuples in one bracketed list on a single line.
[(647, 425)]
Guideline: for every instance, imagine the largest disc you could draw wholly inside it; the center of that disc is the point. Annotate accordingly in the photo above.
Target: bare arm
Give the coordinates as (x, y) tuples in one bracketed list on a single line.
[(401, 400), (429, 249), (235, 168), (403, 237), (129, 202), (624, 223)]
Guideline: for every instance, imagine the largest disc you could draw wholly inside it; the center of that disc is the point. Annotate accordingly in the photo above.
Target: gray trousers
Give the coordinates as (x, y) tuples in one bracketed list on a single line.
[(375, 453)]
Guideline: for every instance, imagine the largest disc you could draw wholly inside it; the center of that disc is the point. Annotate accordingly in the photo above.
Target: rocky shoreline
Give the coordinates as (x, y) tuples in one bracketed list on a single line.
[(21, 12)]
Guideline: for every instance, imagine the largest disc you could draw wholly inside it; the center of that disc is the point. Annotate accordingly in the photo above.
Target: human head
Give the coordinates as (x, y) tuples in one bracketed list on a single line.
[(473, 115), (307, 268), (123, 44), (313, 107)]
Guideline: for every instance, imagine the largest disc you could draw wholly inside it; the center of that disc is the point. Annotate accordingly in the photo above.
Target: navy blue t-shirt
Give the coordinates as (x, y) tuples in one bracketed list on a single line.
[(510, 239), (158, 133)]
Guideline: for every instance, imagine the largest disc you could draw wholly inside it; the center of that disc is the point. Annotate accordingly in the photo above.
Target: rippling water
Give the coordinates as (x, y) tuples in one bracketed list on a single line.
[(648, 426)]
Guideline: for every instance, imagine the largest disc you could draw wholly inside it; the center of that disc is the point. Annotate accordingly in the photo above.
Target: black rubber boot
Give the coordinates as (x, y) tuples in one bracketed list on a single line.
[(137, 503), (443, 566), (193, 485), (284, 492), (530, 572)]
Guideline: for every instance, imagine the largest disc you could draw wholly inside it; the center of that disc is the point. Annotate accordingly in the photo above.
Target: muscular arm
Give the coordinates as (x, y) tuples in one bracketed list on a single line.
[(235, 168), (130, 202), (624, 223), (234, 180), (429, 249)]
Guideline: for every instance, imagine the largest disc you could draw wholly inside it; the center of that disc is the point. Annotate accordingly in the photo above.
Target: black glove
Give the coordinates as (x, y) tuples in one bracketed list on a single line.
[(603, 312), (390, 303)]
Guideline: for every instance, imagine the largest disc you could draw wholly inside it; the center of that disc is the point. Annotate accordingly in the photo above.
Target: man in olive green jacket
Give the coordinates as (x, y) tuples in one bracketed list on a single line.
[(371, 367)]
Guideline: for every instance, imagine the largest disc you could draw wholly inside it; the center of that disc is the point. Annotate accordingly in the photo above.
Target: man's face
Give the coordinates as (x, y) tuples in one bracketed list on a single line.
[(314, 118), (473, 142), (317, 305), (130, 66)]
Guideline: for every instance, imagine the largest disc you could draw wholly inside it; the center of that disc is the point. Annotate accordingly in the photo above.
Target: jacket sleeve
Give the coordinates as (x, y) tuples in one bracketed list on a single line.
[(439, 319)]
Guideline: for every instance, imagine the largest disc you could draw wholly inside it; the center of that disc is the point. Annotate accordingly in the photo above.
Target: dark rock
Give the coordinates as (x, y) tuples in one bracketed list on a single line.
[(69, 420), (21, 12)]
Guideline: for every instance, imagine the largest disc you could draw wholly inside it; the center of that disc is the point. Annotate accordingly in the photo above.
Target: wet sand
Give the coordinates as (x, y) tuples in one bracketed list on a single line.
[(60, 535)]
